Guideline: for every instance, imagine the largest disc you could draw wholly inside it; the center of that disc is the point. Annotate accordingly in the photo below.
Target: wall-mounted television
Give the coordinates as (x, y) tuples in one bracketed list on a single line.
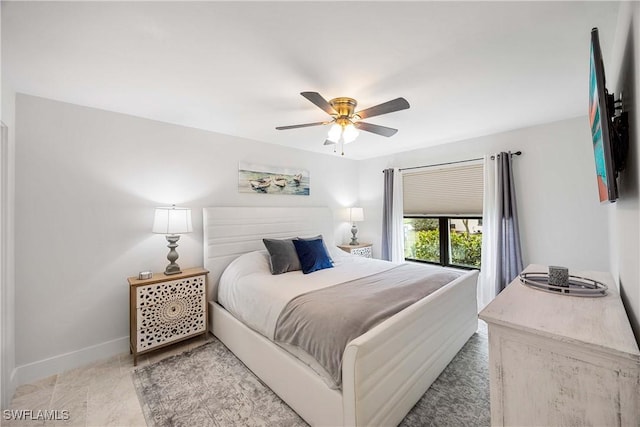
[(609, 132)]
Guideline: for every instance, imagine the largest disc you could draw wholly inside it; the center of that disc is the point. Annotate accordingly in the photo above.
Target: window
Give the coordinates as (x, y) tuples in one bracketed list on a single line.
[(443, 215), (449, 241)]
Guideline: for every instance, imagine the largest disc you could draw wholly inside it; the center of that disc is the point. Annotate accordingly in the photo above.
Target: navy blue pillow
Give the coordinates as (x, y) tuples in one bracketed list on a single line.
[(312, 255)]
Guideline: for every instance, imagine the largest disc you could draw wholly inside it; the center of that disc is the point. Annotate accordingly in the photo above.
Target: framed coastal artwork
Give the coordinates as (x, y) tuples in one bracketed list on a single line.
[(261, 179)]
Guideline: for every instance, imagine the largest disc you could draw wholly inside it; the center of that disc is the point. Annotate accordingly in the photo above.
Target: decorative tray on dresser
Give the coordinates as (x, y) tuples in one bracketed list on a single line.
[(562, 360), (166, 309)]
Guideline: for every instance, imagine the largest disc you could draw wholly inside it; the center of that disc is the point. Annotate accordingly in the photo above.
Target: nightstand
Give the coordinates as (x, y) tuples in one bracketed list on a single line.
[(166, 309), (363, 249)]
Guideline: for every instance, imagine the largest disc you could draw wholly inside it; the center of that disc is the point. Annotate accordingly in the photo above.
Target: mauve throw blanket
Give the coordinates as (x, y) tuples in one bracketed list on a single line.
[(321, 323)]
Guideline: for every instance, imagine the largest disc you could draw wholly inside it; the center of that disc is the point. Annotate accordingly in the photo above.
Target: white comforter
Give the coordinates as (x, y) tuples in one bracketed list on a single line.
[(253, 295)]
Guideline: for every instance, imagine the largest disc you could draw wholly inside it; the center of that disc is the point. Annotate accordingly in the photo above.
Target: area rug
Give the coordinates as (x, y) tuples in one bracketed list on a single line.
[(209, 386)]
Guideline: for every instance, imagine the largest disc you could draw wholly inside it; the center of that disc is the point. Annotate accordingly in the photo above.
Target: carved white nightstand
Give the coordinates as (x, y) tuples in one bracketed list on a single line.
[(166, 309), (363, 249)]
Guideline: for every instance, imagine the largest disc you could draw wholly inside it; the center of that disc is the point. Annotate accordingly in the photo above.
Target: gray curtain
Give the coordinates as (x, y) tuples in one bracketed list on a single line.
[(387, 214), (510, 257)]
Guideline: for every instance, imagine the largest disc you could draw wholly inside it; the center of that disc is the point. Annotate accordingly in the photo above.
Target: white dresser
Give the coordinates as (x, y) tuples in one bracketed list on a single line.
[(560, 360)]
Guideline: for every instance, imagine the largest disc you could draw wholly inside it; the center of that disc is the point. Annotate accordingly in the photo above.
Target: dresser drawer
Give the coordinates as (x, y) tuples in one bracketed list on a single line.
[(161, 334), (363, 252), (187, 288), (171, 311)]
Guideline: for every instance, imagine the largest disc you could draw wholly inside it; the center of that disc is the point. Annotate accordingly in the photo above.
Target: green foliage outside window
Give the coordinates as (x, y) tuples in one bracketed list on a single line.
[(423, 224), (465, 247), (427, 245)]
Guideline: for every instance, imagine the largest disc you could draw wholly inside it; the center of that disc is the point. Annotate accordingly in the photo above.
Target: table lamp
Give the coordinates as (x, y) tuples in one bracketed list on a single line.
[(355, 215), (172, 222)]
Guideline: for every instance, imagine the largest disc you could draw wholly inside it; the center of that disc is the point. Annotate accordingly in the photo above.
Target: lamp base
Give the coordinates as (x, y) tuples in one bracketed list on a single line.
[(354, 239), (173, 267)]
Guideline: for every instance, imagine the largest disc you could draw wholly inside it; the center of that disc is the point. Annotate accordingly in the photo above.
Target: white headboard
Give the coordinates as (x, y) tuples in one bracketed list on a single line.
[(232, 231)]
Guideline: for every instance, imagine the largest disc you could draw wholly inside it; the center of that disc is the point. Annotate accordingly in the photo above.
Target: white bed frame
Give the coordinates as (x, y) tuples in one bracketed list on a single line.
[(385, 371)]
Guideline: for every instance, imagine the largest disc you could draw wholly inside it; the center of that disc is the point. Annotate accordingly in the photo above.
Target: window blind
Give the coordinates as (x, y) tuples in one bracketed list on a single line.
[(454, 190)]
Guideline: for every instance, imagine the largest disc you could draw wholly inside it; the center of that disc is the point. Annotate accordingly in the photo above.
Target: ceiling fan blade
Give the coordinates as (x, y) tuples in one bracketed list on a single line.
[(384, 108), (320, 102), (377, 129), (302, 126)]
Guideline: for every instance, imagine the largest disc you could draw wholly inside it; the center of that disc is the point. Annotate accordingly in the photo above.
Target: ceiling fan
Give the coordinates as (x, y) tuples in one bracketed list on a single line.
[(345, 120)]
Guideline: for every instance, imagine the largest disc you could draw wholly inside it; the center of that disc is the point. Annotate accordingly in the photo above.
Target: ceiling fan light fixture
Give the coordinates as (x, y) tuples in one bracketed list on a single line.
[(334, 133), (345, 132), (350, 133)]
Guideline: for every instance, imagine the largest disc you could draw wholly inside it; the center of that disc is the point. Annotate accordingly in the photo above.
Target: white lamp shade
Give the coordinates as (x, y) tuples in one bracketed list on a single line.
[(349, 134), (334, 133), (172, 220), (356, 214)]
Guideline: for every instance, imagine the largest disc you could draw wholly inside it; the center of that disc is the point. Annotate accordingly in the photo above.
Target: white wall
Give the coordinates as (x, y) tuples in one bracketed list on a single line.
[(622, 77), (86, 184), (7, 283), (561, 220)]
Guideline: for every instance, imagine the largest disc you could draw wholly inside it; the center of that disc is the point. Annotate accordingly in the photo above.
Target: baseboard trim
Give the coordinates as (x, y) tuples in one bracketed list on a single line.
[(12, 385), (34, 371)]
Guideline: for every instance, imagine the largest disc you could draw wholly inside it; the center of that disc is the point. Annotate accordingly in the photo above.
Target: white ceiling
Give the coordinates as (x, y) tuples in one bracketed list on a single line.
[(467, 68)]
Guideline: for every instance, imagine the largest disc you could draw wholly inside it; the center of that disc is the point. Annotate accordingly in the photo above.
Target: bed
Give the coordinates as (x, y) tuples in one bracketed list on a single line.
[(384, 371)]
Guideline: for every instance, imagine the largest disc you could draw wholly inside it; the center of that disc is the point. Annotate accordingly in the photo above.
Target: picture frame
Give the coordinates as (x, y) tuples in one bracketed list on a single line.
[(263, 179)]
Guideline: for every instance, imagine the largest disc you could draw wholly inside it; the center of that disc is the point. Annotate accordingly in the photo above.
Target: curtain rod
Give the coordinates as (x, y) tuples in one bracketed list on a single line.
[(517, 153)]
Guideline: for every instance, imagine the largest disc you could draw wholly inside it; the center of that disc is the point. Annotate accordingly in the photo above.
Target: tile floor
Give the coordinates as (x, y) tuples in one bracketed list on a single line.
[(99, 394)]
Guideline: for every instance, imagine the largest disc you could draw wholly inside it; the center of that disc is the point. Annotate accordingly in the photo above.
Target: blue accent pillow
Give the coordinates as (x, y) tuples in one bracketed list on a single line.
[(312, 255), (319, 236)]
